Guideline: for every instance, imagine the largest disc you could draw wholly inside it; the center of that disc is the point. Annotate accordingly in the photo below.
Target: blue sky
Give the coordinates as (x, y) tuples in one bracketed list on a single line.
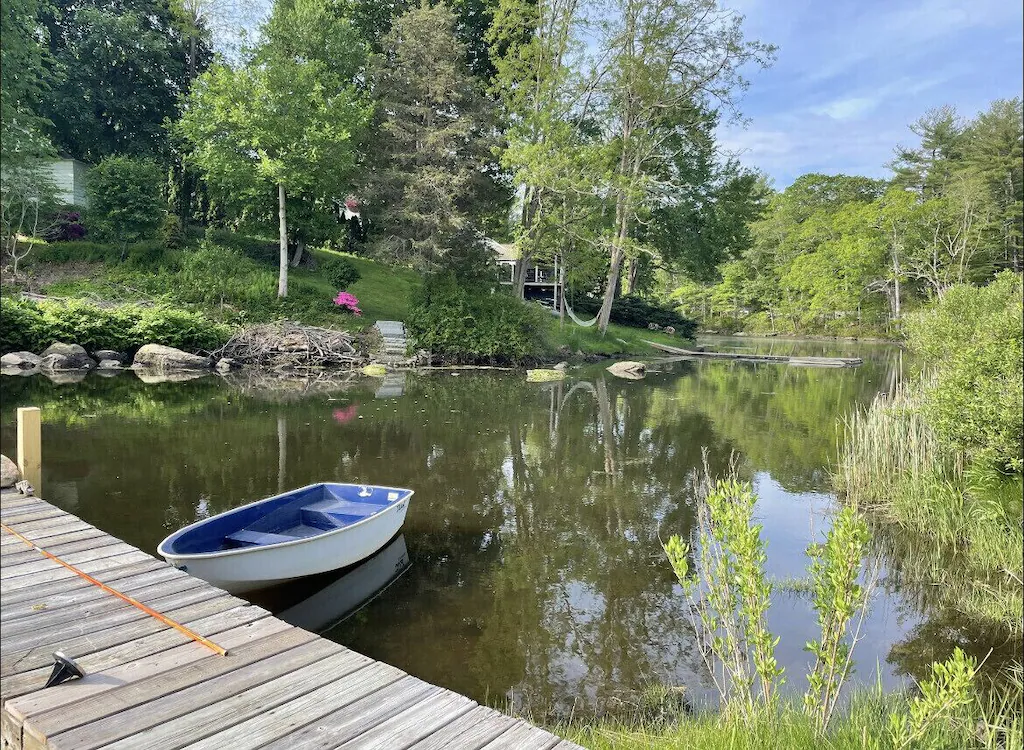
[(851, 75)]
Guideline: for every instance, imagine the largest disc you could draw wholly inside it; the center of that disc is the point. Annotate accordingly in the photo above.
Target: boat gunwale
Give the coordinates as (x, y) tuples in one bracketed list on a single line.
[(276, 545)]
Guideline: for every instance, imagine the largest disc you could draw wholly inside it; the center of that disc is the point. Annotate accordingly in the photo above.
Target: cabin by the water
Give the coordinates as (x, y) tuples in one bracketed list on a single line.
[(543, 283)]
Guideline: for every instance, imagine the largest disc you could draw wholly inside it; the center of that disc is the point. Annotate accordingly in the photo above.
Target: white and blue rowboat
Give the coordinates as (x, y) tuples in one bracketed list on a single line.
[(311, 530)]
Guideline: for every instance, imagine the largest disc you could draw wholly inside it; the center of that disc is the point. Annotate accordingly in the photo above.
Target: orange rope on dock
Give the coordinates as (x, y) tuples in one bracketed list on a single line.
[(134, 602)]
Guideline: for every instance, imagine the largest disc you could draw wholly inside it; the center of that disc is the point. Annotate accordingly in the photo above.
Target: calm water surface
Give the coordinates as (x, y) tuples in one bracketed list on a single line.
[(530, 568)]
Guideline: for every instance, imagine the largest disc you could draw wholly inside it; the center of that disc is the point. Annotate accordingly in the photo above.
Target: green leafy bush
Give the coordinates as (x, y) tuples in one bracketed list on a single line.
[(338, 271), (125, 200), (460, 323), (140, 254), (637, 312), (973, 341), (21, 326), (262, 251), (31, 327), (171, 233)]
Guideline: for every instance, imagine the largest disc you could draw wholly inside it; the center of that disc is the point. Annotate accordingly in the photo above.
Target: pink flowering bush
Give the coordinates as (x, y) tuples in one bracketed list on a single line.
[(349, 302)]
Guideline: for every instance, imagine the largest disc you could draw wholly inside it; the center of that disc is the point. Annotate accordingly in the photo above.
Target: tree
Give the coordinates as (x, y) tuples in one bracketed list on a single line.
[(994, 150), (118, 71), (433, 133), (27, 203), (533, 43), (125, 201), (929, 167), (663, 57), (23, 79)]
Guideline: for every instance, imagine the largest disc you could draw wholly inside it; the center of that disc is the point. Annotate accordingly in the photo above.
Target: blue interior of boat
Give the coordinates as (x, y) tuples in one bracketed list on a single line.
[(285, 518)]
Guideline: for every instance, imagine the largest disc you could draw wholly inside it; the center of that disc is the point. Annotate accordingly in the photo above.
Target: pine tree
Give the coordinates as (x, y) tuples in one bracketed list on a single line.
[(433, 137)]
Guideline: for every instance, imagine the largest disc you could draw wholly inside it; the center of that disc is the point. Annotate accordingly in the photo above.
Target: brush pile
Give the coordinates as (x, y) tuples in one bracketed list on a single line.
[(290, 346)]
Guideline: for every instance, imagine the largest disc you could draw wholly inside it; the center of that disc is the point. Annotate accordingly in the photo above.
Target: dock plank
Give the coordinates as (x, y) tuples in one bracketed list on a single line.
[(277, 682), (334, 729), (471, 731), (414, 723), (149, 685)]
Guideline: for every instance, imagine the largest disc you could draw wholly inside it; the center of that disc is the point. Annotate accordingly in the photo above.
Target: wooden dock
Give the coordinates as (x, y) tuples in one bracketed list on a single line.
[(774, 358), (149, 686)]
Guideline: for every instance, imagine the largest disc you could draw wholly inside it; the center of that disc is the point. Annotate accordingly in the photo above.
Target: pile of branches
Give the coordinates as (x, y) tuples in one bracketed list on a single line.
[(292, 346)]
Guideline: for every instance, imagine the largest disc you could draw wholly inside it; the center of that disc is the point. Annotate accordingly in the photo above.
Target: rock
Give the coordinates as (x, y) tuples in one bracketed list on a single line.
[(629, 370), (9, 474), (61, 356), (653, 327), (159, 359), (227, 364), (561, 366), (375, 370), (669, 330), (102, 354), (20, 360), (110, 364), (544, 376)]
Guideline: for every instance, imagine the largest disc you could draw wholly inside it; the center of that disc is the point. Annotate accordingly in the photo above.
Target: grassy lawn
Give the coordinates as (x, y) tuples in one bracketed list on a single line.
[(237, 289), (384, 293), (619, 341)]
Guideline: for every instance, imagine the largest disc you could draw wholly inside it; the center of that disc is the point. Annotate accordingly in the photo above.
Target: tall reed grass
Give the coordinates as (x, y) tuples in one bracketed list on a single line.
[(958, 525)]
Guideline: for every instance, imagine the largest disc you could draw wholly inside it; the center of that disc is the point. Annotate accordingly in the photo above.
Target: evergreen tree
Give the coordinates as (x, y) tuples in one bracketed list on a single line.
[(433, 134)]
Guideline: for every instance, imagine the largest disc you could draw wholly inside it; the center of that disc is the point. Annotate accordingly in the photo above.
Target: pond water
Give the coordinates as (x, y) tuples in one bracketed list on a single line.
[(530, 568)]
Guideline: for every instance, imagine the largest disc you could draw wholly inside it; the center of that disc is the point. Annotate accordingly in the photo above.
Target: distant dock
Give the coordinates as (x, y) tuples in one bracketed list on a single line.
[(774, 358), (147, 685)]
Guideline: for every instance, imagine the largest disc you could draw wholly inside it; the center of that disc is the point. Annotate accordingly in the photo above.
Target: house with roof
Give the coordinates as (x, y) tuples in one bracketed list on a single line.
[(543, 281)]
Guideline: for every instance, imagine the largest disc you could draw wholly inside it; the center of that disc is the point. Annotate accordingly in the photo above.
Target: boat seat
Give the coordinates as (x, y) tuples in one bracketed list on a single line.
[(247, 538), (333, 513)]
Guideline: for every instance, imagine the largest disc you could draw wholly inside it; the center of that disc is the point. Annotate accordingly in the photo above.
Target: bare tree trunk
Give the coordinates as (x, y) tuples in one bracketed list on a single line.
[(618, 254), (519, 275), (631, 275), (282, 278)]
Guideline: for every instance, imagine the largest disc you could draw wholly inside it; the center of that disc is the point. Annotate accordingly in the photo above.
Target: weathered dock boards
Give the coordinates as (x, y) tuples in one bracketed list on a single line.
[(149, 686), (776, 358)]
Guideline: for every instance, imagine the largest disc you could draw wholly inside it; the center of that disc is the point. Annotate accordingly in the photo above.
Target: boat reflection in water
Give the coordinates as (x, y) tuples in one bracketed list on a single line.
[(320, 602)]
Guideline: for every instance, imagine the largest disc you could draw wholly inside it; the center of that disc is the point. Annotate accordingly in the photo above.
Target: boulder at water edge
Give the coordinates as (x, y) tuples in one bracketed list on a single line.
[(628, 370), (102, 354), (110, 364), (159, 358), (9, 474), (20, 361), (227, 364), (61, 356)]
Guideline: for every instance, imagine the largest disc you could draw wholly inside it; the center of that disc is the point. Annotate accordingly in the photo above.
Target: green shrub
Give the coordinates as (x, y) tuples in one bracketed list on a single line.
[(21, 326), (262, 251), (140, 254), (637, 312), (338, 271), (171, 234), (178, 328), (461, 323), (34, 327), (973, 341), (125, 200)]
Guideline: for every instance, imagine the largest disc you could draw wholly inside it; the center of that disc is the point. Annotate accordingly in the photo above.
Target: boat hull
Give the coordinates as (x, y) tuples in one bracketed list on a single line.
[(240, 570)]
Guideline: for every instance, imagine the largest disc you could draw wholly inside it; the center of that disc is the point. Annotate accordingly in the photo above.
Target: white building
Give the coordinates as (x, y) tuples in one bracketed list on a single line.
[(70, 176)]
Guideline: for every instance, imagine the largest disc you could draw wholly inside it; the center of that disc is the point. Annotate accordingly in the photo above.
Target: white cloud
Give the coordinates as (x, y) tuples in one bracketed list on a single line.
[(847, 108)]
